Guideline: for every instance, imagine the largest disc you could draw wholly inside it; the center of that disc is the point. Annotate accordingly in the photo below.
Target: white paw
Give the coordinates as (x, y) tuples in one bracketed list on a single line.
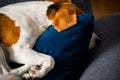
[(31, 73), (41, 70), (93, 41)]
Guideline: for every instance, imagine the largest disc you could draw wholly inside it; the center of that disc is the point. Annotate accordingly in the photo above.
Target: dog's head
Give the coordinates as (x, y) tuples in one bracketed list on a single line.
[(63, 14)]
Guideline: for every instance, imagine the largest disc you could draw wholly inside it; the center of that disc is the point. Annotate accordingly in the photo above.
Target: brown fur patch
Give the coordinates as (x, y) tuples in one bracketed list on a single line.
[(9, 33), (63, 15), (64, 19)]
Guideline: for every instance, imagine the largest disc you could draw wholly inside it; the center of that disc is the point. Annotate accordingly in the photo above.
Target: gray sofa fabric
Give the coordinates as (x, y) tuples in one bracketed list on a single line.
[(84, 5), (105, 57)]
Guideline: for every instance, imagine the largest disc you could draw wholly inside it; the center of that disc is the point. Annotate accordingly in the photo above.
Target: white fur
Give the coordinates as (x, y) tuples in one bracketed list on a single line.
[(32, 20), (5, 69), (93, 41), (9, 77)]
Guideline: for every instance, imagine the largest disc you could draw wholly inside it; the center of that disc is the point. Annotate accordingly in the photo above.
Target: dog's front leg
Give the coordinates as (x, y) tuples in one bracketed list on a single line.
[(32, 58), (20, 70)]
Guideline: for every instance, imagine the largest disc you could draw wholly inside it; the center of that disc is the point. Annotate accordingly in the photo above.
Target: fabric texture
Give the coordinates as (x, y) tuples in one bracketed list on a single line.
[(69, 48), (84, 5), (105, 64)]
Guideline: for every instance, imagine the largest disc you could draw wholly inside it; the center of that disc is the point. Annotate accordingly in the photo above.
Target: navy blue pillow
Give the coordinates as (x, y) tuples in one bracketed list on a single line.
[(69, 48)]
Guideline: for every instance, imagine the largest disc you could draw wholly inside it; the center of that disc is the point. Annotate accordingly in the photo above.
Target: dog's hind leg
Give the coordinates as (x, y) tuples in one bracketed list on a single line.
[(20, 70), (3, 64), (31, 58)]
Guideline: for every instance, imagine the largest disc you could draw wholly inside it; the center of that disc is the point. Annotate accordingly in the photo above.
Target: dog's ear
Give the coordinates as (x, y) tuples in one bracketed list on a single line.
[(63, 15), (64, 19), (51, 11)]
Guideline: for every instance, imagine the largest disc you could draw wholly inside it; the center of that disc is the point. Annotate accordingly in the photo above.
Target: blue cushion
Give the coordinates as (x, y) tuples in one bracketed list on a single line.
[(69, 48)]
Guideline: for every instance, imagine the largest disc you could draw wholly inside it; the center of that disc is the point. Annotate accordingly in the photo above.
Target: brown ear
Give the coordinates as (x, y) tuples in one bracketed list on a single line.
[(64, 19), (51, 14), (51, 11)]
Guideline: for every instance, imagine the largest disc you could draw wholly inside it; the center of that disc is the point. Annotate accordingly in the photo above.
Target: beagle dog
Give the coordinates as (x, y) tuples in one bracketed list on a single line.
[(22, 23)]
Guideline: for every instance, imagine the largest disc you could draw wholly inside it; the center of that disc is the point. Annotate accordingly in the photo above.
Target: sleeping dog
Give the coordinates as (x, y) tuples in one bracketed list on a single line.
[(22, 23)]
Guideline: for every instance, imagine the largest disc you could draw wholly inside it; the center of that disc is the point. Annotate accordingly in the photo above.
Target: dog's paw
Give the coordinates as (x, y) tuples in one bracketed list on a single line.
[(94, 41), (33, 70), (40, 69), (28, 77), (31, 74)]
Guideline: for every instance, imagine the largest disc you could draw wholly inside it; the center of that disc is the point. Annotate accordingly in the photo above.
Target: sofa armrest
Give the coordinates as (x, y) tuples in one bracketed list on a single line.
[(105, 63)]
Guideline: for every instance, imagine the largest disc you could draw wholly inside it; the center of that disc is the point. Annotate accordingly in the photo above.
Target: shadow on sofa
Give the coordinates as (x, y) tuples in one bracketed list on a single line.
[(105, 64)]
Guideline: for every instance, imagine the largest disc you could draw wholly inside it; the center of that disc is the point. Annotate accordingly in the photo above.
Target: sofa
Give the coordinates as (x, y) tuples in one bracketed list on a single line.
[(104, 59)]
